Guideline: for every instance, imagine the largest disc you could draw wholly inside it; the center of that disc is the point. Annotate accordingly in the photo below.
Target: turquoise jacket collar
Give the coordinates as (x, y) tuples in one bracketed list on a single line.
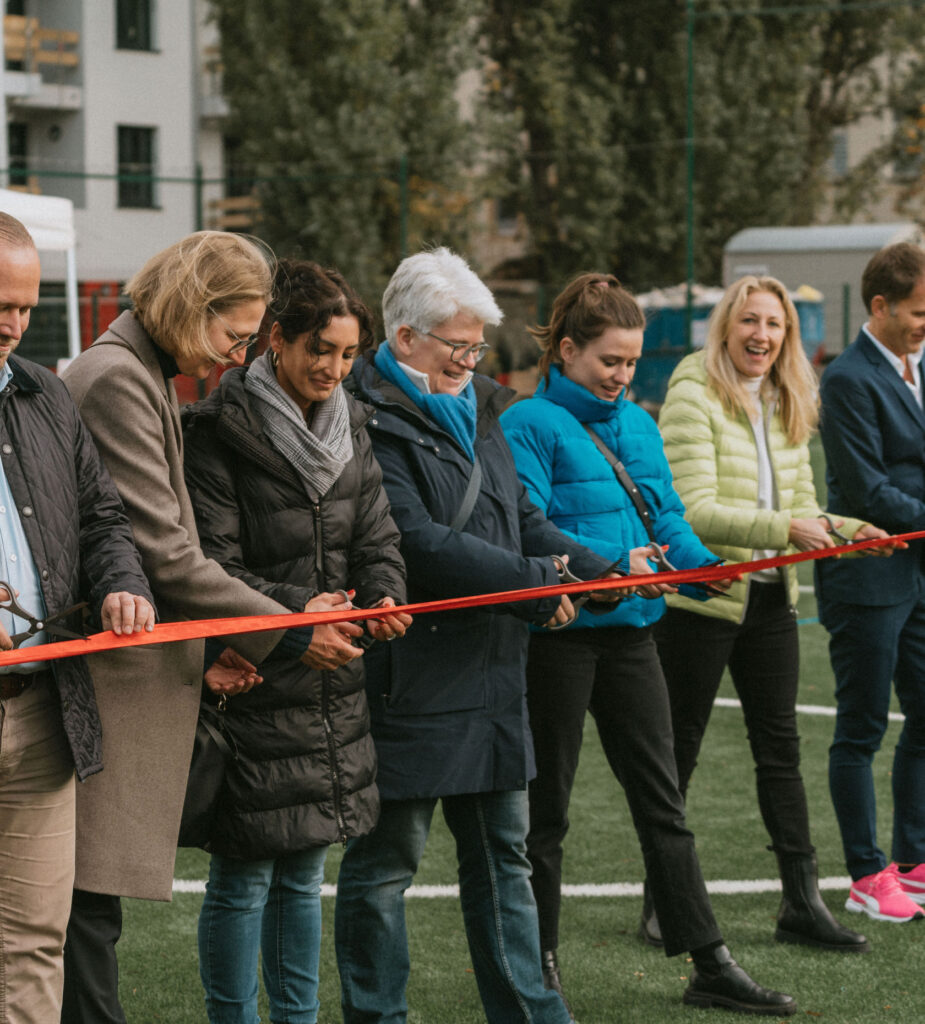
[(579, 401)]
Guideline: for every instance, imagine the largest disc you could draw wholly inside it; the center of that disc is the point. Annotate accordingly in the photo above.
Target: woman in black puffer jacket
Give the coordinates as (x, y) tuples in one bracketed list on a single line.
[(289, 498)]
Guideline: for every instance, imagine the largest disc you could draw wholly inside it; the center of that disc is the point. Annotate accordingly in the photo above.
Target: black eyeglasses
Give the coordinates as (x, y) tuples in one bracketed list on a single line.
[(461, 349), (239, 342)]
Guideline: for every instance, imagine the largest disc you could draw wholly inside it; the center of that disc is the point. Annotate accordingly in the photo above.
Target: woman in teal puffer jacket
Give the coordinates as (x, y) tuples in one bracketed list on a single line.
[(607, 664), (736, 424)]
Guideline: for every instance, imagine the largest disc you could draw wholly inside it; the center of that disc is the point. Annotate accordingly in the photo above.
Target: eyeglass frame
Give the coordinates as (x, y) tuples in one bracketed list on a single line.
[(479, 351), (239, 342)]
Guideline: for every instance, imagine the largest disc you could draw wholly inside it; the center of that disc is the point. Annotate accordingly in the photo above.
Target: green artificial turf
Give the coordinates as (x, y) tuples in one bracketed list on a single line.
[(610, 977)]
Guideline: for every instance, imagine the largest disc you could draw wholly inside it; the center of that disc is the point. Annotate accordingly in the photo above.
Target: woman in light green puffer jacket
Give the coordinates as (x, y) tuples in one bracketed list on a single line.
[(736, 425)]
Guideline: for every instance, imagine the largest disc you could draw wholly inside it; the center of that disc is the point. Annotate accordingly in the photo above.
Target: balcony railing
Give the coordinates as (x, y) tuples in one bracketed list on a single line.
[(236, 213), (27, 44)]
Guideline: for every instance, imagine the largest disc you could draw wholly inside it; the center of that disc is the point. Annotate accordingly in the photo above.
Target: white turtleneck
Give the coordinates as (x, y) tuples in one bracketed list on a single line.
[(765, 473)]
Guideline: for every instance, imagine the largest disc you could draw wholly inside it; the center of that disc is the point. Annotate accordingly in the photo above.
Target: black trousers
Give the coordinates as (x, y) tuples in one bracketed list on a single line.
[(91, 971), (763, 656), (615, 674)]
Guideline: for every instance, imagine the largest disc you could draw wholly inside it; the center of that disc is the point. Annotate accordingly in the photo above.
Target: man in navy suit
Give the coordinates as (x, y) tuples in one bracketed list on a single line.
[(873, 432)]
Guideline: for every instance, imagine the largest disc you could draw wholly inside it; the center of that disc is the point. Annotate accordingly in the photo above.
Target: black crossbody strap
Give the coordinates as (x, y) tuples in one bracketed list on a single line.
[(472, 492), (214, 729), (619, 471)]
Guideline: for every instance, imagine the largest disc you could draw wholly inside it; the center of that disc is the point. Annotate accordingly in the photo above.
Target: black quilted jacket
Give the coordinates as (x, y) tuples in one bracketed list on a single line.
[(79, 536), (306, 769)]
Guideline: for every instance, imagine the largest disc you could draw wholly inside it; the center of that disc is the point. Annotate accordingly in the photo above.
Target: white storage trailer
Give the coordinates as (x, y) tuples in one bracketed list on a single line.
[(830, 258), (50, 221)]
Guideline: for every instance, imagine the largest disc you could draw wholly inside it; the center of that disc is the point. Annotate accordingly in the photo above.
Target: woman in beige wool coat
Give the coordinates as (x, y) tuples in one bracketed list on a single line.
[(196, 304)]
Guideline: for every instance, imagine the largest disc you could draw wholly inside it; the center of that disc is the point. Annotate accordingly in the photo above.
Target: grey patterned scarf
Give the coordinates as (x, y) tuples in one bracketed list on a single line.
[(319, 455)]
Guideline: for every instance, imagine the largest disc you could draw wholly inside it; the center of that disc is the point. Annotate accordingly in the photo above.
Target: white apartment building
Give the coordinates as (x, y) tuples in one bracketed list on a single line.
[(95, 89)]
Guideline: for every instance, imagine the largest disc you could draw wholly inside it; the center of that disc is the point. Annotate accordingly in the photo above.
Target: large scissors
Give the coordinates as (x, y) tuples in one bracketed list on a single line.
[(658, 556), (50, 624), (580, 600), (834, 531)]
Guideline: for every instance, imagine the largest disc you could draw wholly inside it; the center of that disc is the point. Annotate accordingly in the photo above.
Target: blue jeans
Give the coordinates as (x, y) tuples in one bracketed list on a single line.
[(267, 906), (497, 904), (872, 647)]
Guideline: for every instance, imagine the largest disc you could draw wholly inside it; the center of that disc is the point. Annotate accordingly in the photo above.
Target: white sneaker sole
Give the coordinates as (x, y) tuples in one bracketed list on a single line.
[(916, 895), (862, 904)]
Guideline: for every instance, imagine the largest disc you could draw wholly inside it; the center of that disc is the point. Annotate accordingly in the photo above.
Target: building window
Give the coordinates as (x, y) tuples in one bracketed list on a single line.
[(239, 178), (136, 166), (17, 147), (134, 25), (838, 163)]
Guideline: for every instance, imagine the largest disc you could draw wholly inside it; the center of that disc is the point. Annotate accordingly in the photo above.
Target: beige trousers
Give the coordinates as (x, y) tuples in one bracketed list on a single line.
[(36, 854)]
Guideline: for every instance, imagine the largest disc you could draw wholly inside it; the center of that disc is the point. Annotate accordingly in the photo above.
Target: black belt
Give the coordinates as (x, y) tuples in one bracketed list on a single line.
[(15, 683)]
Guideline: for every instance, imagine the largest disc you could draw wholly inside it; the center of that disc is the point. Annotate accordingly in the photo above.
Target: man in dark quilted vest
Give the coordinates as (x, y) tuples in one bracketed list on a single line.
[(60, 515)]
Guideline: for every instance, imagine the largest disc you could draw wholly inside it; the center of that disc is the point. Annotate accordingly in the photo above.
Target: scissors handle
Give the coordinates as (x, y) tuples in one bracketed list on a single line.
[(10, 604), (833, 530), (665, 566), (49, 624)]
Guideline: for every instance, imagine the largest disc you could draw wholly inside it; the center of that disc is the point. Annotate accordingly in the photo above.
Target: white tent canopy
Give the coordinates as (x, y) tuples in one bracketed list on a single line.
[(50, 221)]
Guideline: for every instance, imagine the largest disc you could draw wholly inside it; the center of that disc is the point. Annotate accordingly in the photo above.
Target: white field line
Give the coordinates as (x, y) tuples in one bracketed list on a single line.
[(720, 887), (724, 887), (804, 709)]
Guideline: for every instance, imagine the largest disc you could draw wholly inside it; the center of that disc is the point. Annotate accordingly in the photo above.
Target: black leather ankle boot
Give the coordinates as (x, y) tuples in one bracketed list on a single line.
[(803, 918), (717, 980), (551, 978)]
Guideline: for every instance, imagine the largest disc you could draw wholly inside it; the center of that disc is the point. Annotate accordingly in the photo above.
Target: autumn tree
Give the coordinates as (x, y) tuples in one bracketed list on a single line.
[(346, 111), (602, 89)]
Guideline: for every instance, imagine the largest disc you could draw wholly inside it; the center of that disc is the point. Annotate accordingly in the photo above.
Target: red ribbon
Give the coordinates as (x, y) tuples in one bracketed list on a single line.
[(170, 632)]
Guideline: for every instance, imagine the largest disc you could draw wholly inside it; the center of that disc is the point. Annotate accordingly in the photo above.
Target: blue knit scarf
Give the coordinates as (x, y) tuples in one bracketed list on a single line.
[(455, 413)]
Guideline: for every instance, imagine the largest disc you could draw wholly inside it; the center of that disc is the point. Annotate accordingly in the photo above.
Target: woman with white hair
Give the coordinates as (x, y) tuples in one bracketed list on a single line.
[(736, 425), (448, 701)]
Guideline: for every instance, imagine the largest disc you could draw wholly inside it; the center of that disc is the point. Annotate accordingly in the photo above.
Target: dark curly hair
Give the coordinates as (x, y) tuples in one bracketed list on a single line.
[(306, 297)]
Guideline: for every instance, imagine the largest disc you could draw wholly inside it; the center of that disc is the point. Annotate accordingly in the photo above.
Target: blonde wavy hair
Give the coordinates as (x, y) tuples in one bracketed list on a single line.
[(791, 375), (178, 292)]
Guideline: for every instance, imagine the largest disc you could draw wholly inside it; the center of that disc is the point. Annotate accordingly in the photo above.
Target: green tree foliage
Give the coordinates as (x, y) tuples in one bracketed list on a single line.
[(551, 66), (328, 99), (580, 120), (602, 93)]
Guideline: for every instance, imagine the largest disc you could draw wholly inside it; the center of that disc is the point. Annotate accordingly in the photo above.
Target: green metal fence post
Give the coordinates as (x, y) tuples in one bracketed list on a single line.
[(689, 149), (403, 205)]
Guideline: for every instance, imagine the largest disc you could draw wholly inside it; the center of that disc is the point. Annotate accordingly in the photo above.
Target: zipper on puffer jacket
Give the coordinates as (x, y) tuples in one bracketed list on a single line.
[(326, 688)]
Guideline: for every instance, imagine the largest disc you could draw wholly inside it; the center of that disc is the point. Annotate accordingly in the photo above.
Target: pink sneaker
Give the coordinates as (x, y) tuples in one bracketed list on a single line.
[(881, 897), (911, 882)]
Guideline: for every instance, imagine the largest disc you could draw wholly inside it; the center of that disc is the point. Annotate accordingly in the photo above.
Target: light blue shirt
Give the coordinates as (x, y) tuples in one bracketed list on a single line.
[(913, 359), (17, 566)]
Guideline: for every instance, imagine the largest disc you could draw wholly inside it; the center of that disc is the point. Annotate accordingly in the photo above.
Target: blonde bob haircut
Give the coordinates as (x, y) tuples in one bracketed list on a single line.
[(791, 375), (177, 292)]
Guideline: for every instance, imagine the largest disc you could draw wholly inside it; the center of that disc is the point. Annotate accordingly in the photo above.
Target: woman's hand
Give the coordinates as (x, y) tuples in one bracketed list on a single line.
[(231, 673), (870, 532), (611, 596), (565, 613), (811, 534), (640, 566), (389, 626), (332, 643)]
